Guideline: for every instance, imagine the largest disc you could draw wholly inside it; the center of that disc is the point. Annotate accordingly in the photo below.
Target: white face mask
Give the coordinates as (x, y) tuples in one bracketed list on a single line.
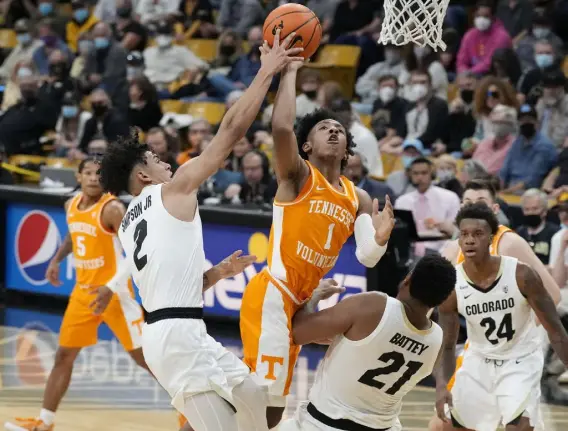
[(445, 174), (482, 23), (386, 94), (417, 92), (163, 40)]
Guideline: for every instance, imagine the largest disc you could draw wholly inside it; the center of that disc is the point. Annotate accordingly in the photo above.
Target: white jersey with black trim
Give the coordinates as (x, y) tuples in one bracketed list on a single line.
[(500, 321), (364, 381)]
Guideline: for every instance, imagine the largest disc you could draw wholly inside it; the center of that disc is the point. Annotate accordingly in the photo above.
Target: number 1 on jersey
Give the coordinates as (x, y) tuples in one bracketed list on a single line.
[(330, 228)]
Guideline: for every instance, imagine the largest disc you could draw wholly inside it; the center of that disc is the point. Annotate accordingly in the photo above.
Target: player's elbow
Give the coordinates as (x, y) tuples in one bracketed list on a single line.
[(367, 261)]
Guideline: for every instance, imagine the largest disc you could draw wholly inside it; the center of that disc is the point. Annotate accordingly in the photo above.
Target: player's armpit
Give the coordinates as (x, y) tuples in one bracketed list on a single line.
[(112, 215), (448, 319), (513, 245), (531, 287)]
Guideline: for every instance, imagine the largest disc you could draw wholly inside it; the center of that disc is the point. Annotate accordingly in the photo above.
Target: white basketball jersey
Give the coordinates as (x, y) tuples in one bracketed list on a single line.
[(500, 321), (364, 381), (166, 254)]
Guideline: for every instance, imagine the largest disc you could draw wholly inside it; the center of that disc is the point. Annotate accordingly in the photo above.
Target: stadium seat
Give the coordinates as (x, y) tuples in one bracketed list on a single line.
[(8, 38), (453, 91), (206, 49), (212, 112), (22, 159), (170, 105), (338, 63), (366, 120), (62, 162), (565, 65), (391, 163)]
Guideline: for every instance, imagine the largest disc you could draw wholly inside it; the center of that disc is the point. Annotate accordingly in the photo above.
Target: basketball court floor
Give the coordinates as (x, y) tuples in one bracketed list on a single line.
[(110, 393)]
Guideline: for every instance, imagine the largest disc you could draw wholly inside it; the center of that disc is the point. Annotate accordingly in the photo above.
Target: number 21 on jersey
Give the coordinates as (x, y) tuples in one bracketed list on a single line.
[(395, 361)]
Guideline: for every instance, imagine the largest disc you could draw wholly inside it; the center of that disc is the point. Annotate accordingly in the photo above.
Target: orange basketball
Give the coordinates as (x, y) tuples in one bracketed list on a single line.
[(292, 17)]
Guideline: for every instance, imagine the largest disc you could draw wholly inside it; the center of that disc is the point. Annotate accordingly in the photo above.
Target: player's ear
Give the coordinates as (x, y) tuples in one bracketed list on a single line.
[(495, 208), (142, 175), (306, 147)]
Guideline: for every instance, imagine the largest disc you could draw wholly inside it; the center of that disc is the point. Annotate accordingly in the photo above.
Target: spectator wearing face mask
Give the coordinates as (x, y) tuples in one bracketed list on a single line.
[(70, 125), (367, 86), (552, 107), (85, 45), (106, 121), (389, 111), (536, 230), (130, 33), (531, 156), (83, 21), (539, 31), (106, 67), (167, 63), (446, 175), (229, 49), (480, 42), (424, 58), (59, 82), (48, 9), (51, 42), (427, 117), (23, 51), (399, 180), (492, 151), (530, 83), (357, 172), (461, 120), (144, 111)]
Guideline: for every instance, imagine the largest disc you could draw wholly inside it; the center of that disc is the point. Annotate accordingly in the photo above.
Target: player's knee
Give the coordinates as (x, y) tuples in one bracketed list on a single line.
[(65, 357), (274, 416)]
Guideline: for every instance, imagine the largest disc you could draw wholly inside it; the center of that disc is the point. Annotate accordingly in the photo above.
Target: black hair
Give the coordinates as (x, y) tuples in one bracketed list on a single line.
[(481, 185), (432, 280), (118, 162), (486, 3), (305, 125), (421, 160), (87, 160), (388, 77), (478, 211)]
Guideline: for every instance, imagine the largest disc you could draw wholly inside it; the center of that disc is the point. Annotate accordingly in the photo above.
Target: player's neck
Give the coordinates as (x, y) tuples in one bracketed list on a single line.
[(416, 313), (87, 201), (330, 172), (483, 268)]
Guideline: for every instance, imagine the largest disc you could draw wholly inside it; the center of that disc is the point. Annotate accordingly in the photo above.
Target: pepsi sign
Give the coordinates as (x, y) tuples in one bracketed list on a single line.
[(33, 235)]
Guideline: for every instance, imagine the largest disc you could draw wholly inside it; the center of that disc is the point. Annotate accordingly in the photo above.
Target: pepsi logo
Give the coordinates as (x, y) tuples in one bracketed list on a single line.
[(37, 241), (35, 349)]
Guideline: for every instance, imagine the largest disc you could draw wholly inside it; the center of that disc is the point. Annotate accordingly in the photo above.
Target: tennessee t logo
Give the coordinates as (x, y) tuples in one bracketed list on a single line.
[(138, 323), (271, 361)]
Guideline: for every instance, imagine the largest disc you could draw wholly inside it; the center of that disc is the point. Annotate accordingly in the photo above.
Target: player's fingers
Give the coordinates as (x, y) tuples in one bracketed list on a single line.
[(286, 42), (375, 206), (293, 52), (330, 282), (276, 43), (237, 253), (292, 59)]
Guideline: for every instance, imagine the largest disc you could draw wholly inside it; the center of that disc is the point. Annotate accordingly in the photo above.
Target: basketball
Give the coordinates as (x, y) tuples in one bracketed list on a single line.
[(293, 17)]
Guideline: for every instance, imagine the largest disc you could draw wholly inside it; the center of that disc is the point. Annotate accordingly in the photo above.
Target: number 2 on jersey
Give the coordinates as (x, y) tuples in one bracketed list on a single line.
[(140, 234), (397, 361), (505, 328), (330, 228)]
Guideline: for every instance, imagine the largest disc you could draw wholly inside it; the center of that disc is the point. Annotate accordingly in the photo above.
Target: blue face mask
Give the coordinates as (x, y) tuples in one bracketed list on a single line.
[(101, 42), (544, 60), (85, 46), (81, 15), (69, 111), (45, 8), (407, 160), (24, 38)]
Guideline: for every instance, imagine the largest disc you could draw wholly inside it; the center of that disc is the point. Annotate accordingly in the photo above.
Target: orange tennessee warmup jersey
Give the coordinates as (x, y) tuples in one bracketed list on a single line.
[(494, 244), (96, 251), (308, 233)]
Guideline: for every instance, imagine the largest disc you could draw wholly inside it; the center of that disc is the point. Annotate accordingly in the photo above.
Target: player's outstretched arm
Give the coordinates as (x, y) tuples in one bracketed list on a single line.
[(288, 165), (448, 319), (372, 229), (531, 287), (237, 120), (228, 267), (513, 245)]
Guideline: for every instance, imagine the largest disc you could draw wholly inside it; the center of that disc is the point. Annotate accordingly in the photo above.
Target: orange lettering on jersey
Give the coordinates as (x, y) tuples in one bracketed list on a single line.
[(271, 361), (138, 323)]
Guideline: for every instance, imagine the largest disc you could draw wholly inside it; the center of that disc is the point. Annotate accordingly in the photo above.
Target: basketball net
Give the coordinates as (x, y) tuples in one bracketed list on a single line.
[(416, 21)]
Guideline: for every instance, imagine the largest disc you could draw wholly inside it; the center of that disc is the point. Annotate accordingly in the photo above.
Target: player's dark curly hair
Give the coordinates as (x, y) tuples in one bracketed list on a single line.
[(432, 280), (117, 163), (87, 160), (478, 211), (305, 125)]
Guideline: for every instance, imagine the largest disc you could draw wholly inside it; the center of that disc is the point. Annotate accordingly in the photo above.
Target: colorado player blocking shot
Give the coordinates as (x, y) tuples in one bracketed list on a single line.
[(315, 211), (381, 348), (162, 237), (499, 380)]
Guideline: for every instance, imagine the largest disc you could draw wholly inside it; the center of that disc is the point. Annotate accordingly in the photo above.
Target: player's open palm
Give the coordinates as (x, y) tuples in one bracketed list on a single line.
[(102, 300), (443, 398), (383, 221), (52, 274), (277, 57), (234, 264)]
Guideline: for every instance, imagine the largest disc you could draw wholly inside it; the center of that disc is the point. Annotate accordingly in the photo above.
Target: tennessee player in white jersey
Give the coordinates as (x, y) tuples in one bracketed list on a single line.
[(498, 382), (381, 347), (162, 236), (315, 211)]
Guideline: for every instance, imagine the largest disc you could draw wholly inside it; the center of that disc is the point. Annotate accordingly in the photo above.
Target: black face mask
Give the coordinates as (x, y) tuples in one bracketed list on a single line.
[(528, 130), (227, 50), (99, 109), (58, 70), (311, 94), (467, 96), (532, 220), (124, 12)]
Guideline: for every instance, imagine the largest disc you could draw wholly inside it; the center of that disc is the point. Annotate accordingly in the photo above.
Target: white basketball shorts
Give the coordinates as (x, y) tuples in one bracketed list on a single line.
[(186, 360), (488, 393)]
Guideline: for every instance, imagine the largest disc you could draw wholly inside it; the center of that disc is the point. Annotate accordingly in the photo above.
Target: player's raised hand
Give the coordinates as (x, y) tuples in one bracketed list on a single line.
[(52, 274), (383, 221), (100, 303), (234, 264), (277, 57), (443, 399), (326, 289)]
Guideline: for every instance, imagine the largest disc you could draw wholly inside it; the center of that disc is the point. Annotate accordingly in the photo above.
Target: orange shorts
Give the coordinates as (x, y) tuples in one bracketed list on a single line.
[(80, 326), (266, 332), (459, 362)]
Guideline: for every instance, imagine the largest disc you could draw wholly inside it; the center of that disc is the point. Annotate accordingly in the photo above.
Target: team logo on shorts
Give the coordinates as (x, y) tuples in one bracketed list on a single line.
[(35, 348), (37, 241)]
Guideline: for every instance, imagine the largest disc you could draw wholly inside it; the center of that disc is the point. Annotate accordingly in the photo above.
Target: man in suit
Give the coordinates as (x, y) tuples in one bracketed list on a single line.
[(357, 172)]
